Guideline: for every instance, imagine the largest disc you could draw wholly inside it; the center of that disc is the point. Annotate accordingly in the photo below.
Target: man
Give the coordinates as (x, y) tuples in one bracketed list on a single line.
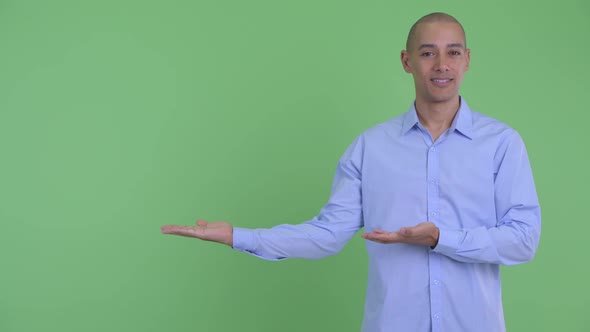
[(445, 194)]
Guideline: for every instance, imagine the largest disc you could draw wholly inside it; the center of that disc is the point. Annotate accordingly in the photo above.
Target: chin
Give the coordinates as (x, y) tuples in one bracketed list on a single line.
[(443, 98)]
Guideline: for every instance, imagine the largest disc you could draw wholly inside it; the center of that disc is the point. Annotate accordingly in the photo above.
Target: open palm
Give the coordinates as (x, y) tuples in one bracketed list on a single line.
[(218, 231)]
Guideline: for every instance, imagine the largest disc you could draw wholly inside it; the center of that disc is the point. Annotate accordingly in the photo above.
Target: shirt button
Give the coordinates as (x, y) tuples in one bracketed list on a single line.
[(437, 316), (434, 213), (433, 181), (435, 282), (433, 149)]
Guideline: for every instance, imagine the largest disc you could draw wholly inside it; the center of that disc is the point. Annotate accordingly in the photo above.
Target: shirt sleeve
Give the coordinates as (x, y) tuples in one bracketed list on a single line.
[(324, 235), (516, 235)]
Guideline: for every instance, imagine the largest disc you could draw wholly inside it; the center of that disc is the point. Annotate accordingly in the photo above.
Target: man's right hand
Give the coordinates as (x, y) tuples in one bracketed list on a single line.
[(219, 231)]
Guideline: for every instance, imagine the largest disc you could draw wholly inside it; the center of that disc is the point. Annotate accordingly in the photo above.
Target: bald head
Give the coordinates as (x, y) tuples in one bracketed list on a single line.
[(431, 18)]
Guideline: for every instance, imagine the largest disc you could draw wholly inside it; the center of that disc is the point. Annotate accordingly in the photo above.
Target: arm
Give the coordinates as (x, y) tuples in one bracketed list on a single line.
[(324, 235), (516, 235)]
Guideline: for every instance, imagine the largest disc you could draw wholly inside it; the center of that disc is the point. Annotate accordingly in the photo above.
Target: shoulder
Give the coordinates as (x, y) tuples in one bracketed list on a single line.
[(375, 137), (486, 127), (386, 130), (503, 140)]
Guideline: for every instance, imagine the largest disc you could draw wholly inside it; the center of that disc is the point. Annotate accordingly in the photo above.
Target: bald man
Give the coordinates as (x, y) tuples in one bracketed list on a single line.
[(445, 195)]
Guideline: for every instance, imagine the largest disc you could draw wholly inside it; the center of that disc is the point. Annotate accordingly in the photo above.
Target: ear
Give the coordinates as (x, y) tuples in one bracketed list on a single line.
[(405, 58), (467, 58)]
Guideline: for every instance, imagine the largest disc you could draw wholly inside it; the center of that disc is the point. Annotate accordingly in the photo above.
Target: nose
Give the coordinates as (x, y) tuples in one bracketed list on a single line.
[(442, 63)]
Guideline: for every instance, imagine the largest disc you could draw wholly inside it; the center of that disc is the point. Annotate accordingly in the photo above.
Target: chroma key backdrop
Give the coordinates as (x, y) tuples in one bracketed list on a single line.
[(117, 117)]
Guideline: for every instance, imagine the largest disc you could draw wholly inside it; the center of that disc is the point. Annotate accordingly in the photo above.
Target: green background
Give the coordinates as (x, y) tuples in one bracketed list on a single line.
[(119, 116)]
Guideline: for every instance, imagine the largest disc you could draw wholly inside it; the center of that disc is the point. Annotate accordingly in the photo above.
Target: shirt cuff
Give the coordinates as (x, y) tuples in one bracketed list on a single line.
[(244, 239), (448, 241)]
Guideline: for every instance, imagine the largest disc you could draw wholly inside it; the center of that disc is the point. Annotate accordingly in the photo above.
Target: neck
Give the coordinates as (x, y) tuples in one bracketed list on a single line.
[(437, 117)]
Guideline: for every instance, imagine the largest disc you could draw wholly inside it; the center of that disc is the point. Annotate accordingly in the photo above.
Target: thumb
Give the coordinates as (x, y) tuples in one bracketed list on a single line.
[(201, 223), (406, 231)]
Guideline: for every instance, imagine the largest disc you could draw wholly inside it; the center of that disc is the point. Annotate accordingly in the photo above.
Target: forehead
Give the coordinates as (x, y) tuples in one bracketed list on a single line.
[(439, 34)]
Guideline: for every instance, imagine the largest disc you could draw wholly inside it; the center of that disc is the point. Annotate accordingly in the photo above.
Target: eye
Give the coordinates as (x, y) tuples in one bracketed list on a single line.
[(455, 52), (427, 53)]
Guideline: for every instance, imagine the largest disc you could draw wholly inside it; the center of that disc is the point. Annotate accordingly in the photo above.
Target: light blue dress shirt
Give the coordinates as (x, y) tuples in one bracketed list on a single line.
[(474, 182)]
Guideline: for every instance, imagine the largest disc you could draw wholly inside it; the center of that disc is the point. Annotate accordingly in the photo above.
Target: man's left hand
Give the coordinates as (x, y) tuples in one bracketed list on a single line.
[(425, 233)]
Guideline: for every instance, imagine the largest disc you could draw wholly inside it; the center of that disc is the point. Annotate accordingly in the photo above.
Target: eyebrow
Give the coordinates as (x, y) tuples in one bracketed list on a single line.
[(460, 45)]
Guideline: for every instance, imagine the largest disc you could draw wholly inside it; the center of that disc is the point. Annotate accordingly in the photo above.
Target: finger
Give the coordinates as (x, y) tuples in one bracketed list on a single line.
[(167, 228), (370, 237), (379, 231), (385, 237), (377, 241), (202, 223), (180, 230), (170, 229)]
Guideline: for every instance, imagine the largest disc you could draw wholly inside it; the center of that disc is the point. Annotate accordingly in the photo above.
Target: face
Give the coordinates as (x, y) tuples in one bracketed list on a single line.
[(437, 60)]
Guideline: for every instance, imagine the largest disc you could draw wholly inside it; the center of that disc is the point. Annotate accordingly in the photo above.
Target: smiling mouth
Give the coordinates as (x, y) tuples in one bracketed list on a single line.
[(441, 80)]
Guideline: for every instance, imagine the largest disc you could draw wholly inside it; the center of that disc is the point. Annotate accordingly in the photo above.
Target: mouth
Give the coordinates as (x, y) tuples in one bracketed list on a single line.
[(441, 82)]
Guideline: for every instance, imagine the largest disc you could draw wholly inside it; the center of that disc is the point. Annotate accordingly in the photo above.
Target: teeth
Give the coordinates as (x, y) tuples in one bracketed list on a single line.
[(441, 81)]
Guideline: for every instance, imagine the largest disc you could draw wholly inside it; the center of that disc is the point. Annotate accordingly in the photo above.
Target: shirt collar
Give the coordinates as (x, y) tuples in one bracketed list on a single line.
[(462, 122)]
